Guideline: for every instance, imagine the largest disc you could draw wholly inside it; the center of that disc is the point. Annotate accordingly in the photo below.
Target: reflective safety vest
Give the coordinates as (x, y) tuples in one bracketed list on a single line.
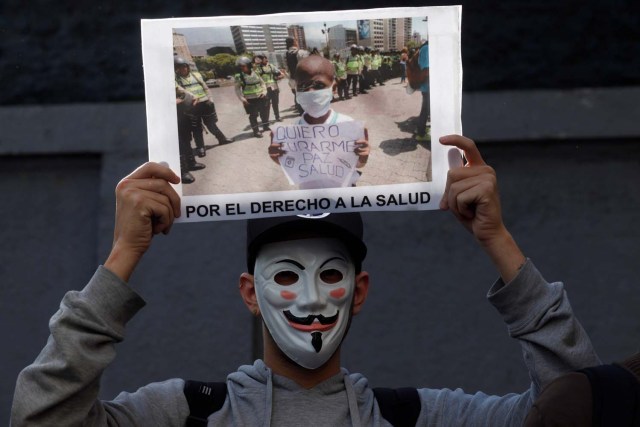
[(251, 84), (341, 71), (375, 62), (353, 64), (367, 60), (192, 85), (268, 75)]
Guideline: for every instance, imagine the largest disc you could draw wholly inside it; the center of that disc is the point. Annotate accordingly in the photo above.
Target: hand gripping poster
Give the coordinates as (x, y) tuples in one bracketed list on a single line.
[(304, 113)]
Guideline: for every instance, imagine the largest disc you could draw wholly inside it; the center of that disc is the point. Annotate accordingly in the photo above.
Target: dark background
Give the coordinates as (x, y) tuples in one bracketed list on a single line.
[(551, 93), (77, 51)]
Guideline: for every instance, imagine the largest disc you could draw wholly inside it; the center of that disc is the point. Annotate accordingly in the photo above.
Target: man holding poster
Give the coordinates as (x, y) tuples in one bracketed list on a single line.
[(305, 282), (307, 153)]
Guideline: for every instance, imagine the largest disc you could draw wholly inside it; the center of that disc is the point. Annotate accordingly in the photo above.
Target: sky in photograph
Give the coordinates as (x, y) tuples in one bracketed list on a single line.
[(221, 36)]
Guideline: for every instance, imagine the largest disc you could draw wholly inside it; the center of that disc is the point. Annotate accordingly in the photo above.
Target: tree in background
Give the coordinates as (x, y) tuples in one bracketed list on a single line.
[(220, 65)]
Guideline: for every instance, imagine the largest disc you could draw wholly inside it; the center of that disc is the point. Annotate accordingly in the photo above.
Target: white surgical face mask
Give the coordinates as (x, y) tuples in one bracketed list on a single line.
[(304, 289), (315, 103)]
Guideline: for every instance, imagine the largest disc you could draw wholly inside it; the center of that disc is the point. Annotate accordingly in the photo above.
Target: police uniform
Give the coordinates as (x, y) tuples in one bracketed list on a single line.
[(352, 66), (376, 63), (365, 79), (252, 88), (270, 75), (341, 78), (204, 111)]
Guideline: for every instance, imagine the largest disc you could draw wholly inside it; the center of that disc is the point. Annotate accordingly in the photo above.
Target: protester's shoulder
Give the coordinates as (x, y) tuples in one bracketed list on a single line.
[(248, 376), (162, 402)]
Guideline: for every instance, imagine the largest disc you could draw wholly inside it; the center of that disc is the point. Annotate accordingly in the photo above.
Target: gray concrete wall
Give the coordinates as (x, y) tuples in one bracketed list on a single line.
[(572, 204), (61, 52), (567, 160)]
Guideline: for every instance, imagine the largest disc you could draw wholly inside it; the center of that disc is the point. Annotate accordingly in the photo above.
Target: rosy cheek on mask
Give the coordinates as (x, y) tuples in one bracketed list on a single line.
[(288, 295), (276, 298), (338, 294)]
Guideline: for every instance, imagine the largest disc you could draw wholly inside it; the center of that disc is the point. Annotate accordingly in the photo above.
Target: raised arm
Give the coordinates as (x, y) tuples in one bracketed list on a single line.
[(471, 194), (60, 388), (537, 313), (145, 205)]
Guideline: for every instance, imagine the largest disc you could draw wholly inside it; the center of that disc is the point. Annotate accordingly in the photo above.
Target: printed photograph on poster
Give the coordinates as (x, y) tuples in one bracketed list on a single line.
[(304, 113)]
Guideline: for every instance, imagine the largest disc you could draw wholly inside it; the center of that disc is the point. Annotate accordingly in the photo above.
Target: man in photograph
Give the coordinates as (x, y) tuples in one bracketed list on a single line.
[(341, 77), (270, 76), (423, 126), (354, 68), (204, 110), (293, 55), (314, 92), (305, 281), (188, 163), (252, 92)]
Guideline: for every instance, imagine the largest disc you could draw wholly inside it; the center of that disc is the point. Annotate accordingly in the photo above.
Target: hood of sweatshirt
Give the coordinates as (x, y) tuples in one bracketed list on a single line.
[(263, 398)]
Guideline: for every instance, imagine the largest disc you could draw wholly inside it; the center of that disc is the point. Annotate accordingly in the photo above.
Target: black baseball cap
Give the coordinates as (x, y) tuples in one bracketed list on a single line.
[(346, 227)]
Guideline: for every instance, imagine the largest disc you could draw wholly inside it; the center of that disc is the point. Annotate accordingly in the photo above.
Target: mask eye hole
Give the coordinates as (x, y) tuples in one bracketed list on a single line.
[(331, 276), (286, 278)]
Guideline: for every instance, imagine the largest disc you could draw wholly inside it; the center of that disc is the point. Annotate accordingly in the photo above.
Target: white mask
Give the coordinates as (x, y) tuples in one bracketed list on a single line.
[(315, 103), (304, 290)]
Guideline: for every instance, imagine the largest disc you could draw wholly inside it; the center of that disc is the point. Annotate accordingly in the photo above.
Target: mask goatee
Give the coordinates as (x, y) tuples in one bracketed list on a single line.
[(316, 341)]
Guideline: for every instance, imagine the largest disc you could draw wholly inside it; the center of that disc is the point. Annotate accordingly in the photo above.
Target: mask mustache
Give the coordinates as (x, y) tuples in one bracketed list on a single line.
[(308, 320)]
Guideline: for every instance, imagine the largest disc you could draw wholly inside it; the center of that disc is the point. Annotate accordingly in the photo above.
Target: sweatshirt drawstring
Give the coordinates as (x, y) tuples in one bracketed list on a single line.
[(268, 399), (354, 413)]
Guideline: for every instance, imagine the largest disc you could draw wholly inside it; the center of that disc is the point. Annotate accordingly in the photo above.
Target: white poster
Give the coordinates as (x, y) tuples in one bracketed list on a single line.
[(300, 114)]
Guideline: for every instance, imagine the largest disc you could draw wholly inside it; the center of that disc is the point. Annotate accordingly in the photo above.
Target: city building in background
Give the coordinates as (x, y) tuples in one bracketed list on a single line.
[(384, 34), (371, 33), (181, 48), (259, 38), (297, 32), (397, 32), (341, 37), (351, 36)]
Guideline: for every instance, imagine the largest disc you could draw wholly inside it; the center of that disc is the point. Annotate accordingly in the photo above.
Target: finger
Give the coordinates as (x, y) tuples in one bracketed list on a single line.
[(151, 185), (276, 149), (160, 210), (465, 203), (162, 217), (475, 196), (459, 174), (467, 145), (366, 134), (480, 185), (154, 170)]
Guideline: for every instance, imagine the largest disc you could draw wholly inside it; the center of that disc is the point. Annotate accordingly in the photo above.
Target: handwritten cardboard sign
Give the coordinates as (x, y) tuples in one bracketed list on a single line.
[(319, 156)]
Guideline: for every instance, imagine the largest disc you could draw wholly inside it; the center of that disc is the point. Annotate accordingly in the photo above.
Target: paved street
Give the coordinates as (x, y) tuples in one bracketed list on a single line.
[(244, 166)]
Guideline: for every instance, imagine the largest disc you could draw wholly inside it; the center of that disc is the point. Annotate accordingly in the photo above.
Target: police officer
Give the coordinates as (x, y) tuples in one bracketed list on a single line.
[(203, 109), (184, 108), (270, 76), (353, 69), (341, 77), (376, 63), (252, 92), (365, 76)]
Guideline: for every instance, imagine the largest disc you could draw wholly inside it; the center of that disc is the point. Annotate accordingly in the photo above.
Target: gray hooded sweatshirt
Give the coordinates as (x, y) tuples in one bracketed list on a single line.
[(61, 387)]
